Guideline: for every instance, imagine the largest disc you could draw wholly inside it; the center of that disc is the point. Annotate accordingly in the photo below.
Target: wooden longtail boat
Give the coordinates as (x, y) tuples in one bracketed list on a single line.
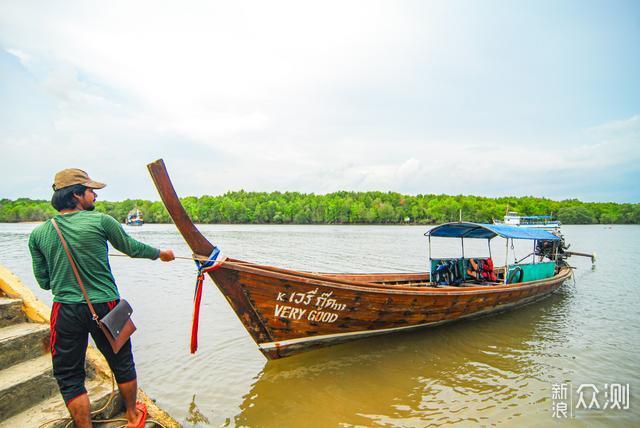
[(287, 311)]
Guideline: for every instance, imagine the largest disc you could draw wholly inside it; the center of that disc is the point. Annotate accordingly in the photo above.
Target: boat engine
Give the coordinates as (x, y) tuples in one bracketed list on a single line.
[(554, 250)]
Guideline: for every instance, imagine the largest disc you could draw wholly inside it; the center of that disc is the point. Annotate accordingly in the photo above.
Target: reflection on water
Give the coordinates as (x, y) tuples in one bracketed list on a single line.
[(473, 371), (194, 415), (496, 370)]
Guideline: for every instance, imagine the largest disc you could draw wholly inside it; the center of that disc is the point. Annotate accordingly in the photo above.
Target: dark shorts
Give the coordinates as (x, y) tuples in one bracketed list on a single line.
[(70, 325)]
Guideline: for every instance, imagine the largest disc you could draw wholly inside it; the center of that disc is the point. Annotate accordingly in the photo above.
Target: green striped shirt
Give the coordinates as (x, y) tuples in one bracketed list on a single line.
[(86, 233)]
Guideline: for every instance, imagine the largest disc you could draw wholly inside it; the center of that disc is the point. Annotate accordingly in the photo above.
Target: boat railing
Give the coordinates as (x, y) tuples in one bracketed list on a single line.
[(524, 272)]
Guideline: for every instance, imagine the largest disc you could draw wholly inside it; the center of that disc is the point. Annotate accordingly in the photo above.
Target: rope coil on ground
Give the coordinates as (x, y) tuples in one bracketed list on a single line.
[(95, 412)]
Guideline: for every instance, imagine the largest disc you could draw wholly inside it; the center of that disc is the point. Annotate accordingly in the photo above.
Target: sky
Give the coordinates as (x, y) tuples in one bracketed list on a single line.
[(491, 98)]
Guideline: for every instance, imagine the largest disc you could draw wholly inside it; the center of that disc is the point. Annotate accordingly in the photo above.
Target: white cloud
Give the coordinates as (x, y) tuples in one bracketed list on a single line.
[(198, 65), (22, 56), (629, 125), (278, 95)]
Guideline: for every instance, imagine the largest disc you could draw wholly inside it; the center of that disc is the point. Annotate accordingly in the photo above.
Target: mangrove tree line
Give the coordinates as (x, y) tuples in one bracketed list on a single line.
[(343, 208)]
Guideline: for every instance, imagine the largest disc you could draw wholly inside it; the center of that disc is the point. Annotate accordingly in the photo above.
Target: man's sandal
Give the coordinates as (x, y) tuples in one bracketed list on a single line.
[(142, 408)]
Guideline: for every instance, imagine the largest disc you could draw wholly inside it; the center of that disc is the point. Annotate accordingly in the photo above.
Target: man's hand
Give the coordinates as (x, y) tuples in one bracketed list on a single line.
[(167, 255)]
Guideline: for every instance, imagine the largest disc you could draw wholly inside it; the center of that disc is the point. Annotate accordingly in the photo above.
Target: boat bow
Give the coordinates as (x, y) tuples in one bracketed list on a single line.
[(223, 278)]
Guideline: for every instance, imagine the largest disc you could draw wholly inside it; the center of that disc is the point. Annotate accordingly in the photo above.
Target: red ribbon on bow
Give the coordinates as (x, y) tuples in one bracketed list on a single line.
[(197, 298)]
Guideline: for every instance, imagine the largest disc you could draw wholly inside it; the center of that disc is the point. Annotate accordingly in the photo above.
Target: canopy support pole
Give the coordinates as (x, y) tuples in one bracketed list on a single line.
[(429, 263), (462, 240), (506, 262)]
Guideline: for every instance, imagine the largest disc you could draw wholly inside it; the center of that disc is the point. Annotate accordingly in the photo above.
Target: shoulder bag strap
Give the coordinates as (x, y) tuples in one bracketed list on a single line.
[(75, 270)]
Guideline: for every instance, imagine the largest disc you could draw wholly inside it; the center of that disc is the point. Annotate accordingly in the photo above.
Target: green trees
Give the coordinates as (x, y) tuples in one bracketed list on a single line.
[(343, 208), (576, 215), (25, 209)]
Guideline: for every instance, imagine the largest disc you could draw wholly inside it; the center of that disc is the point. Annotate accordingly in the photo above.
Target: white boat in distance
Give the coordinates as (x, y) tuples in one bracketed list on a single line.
[(134, 218), (545, 222)]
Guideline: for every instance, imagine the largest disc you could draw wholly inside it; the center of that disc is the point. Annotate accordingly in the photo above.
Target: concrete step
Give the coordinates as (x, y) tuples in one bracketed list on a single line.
[(25, 384), (54, 410), (21, 342), (11, 312)]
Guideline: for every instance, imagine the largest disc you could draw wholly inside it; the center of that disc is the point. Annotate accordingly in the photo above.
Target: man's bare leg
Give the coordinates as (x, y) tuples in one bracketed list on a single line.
[(80, 411), (129, 393)]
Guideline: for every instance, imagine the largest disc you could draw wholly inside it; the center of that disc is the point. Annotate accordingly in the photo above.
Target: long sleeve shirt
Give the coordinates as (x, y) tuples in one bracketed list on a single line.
[(86, 233)]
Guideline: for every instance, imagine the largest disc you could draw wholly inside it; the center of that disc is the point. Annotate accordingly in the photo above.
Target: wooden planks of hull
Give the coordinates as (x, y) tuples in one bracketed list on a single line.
[(298, 314)]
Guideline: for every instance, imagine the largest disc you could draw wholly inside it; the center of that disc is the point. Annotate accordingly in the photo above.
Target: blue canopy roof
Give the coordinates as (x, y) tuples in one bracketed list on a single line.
[(489, 231)]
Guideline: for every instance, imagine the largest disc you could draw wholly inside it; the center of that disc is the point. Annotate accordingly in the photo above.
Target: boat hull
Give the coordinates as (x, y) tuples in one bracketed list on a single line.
[(288, 312)]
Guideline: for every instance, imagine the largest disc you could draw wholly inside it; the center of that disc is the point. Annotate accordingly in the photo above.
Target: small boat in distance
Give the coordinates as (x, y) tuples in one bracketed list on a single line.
[(134, 218), (287, 311), (544, 222)]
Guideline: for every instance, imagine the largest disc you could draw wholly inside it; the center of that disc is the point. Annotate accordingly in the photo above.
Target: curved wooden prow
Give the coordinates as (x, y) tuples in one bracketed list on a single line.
[(225, 280), (196, 241)]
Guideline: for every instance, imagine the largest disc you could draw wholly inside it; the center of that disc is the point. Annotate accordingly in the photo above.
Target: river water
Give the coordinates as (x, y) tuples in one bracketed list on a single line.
[(502, 370)]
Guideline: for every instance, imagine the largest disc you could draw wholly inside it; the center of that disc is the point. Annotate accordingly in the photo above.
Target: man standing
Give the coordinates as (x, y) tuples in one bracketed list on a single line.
[(86, 233)]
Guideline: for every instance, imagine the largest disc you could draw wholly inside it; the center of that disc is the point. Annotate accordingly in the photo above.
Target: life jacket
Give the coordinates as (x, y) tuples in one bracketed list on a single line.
[(447, 273), (474, 272), (486, 270), (442, 275), (456, 278)]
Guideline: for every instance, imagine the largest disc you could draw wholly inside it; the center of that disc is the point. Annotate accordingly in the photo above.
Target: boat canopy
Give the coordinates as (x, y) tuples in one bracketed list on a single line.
[(489, 231)]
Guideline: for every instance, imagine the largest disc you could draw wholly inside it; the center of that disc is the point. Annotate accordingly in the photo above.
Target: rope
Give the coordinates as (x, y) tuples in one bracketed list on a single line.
[(196, 257), (95, 412), (191, 258)]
